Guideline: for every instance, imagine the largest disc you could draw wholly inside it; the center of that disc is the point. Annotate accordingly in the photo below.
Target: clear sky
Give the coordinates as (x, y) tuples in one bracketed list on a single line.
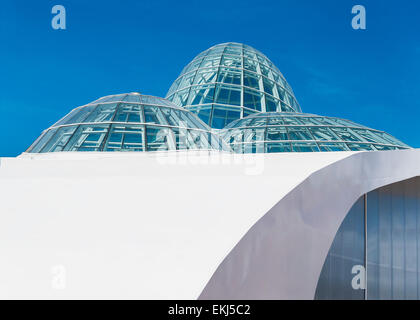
[(369, 76)]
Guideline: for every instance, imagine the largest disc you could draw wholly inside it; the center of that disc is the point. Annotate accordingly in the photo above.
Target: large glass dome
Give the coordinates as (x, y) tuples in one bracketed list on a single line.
[(128, 122), (231, 81), (300, 132)]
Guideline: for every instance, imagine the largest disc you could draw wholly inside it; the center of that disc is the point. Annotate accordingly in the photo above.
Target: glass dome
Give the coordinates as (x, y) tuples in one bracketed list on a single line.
[(231, 81), (128, 122), (300, 132)]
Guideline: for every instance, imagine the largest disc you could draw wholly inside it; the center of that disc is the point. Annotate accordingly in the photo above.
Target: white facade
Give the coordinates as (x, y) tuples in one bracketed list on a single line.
[(181, 225)]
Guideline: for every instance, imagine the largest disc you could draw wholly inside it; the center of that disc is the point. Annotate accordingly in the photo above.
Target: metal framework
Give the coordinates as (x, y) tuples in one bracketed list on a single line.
[(300, 132), (128, 122), (231, 81)]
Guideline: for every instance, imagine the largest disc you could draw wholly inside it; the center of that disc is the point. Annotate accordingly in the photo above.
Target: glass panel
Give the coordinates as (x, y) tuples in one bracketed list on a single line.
[(275, 121), (216, 142), (87, 138), (345, 259), (133, 98), (248, 113), (292, 120), (76, 116), (322, 133), (255, 134), (333, 146), (286, 108), (154, 115), (299, 133), (345, 134), (159, 139), (180, 98), (253, 147), (271, 104), (249, 52), (237, 148), (252, 99), (268, 86), (217, 50), (174, 87), (203, 112), (277, 133), (262, 59), (195, 121), (250, 64), (327, 121), (224, 115), (360, 147), (41, 141), (210, 61), (171, 116), (233, 49), (69, 116), (312, 120), (231, 61), (369, 136), (205, 76), (258, 122), (201, 95), (125, 138), (391, 139), (266, 71), (186, 122), (200, 139), (193, 65), (228, 95), (278, 147), (234, 136), (102, 113), (304, 147), (128, 113), (383, 148), (183, 140), (187, 79), (229, 76), (252, 80), (282, 93), (117, 97), (60, 139), (393, 251)]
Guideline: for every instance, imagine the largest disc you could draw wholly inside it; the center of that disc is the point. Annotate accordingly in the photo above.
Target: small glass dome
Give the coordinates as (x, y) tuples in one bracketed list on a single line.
[(300, 132), (128, 122), (231, 81)]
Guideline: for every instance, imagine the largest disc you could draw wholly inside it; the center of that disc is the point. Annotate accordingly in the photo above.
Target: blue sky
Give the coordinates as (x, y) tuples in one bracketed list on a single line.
[(369, 76)]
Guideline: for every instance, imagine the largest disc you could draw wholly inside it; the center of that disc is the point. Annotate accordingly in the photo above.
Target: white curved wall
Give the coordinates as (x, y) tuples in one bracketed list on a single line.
[(282, 255), (159, 226), (132, 225)]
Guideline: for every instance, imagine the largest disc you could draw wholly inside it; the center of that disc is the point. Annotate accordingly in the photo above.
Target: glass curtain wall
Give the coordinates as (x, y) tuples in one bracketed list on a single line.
[(393, 248)]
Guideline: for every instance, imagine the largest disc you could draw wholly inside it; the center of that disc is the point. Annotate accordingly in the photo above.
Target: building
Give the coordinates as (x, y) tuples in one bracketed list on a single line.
[(230, 81), (128, 122), (162, 206), (302, 132)]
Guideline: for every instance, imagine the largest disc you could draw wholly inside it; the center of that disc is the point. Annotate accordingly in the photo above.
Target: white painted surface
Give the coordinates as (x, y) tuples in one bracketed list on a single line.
[(143, 226), (282, 255)]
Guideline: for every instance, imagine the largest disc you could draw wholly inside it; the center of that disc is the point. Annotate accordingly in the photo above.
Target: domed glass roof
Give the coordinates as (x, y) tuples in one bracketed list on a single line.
[(230, 81), (128, 122), (300, 132)]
